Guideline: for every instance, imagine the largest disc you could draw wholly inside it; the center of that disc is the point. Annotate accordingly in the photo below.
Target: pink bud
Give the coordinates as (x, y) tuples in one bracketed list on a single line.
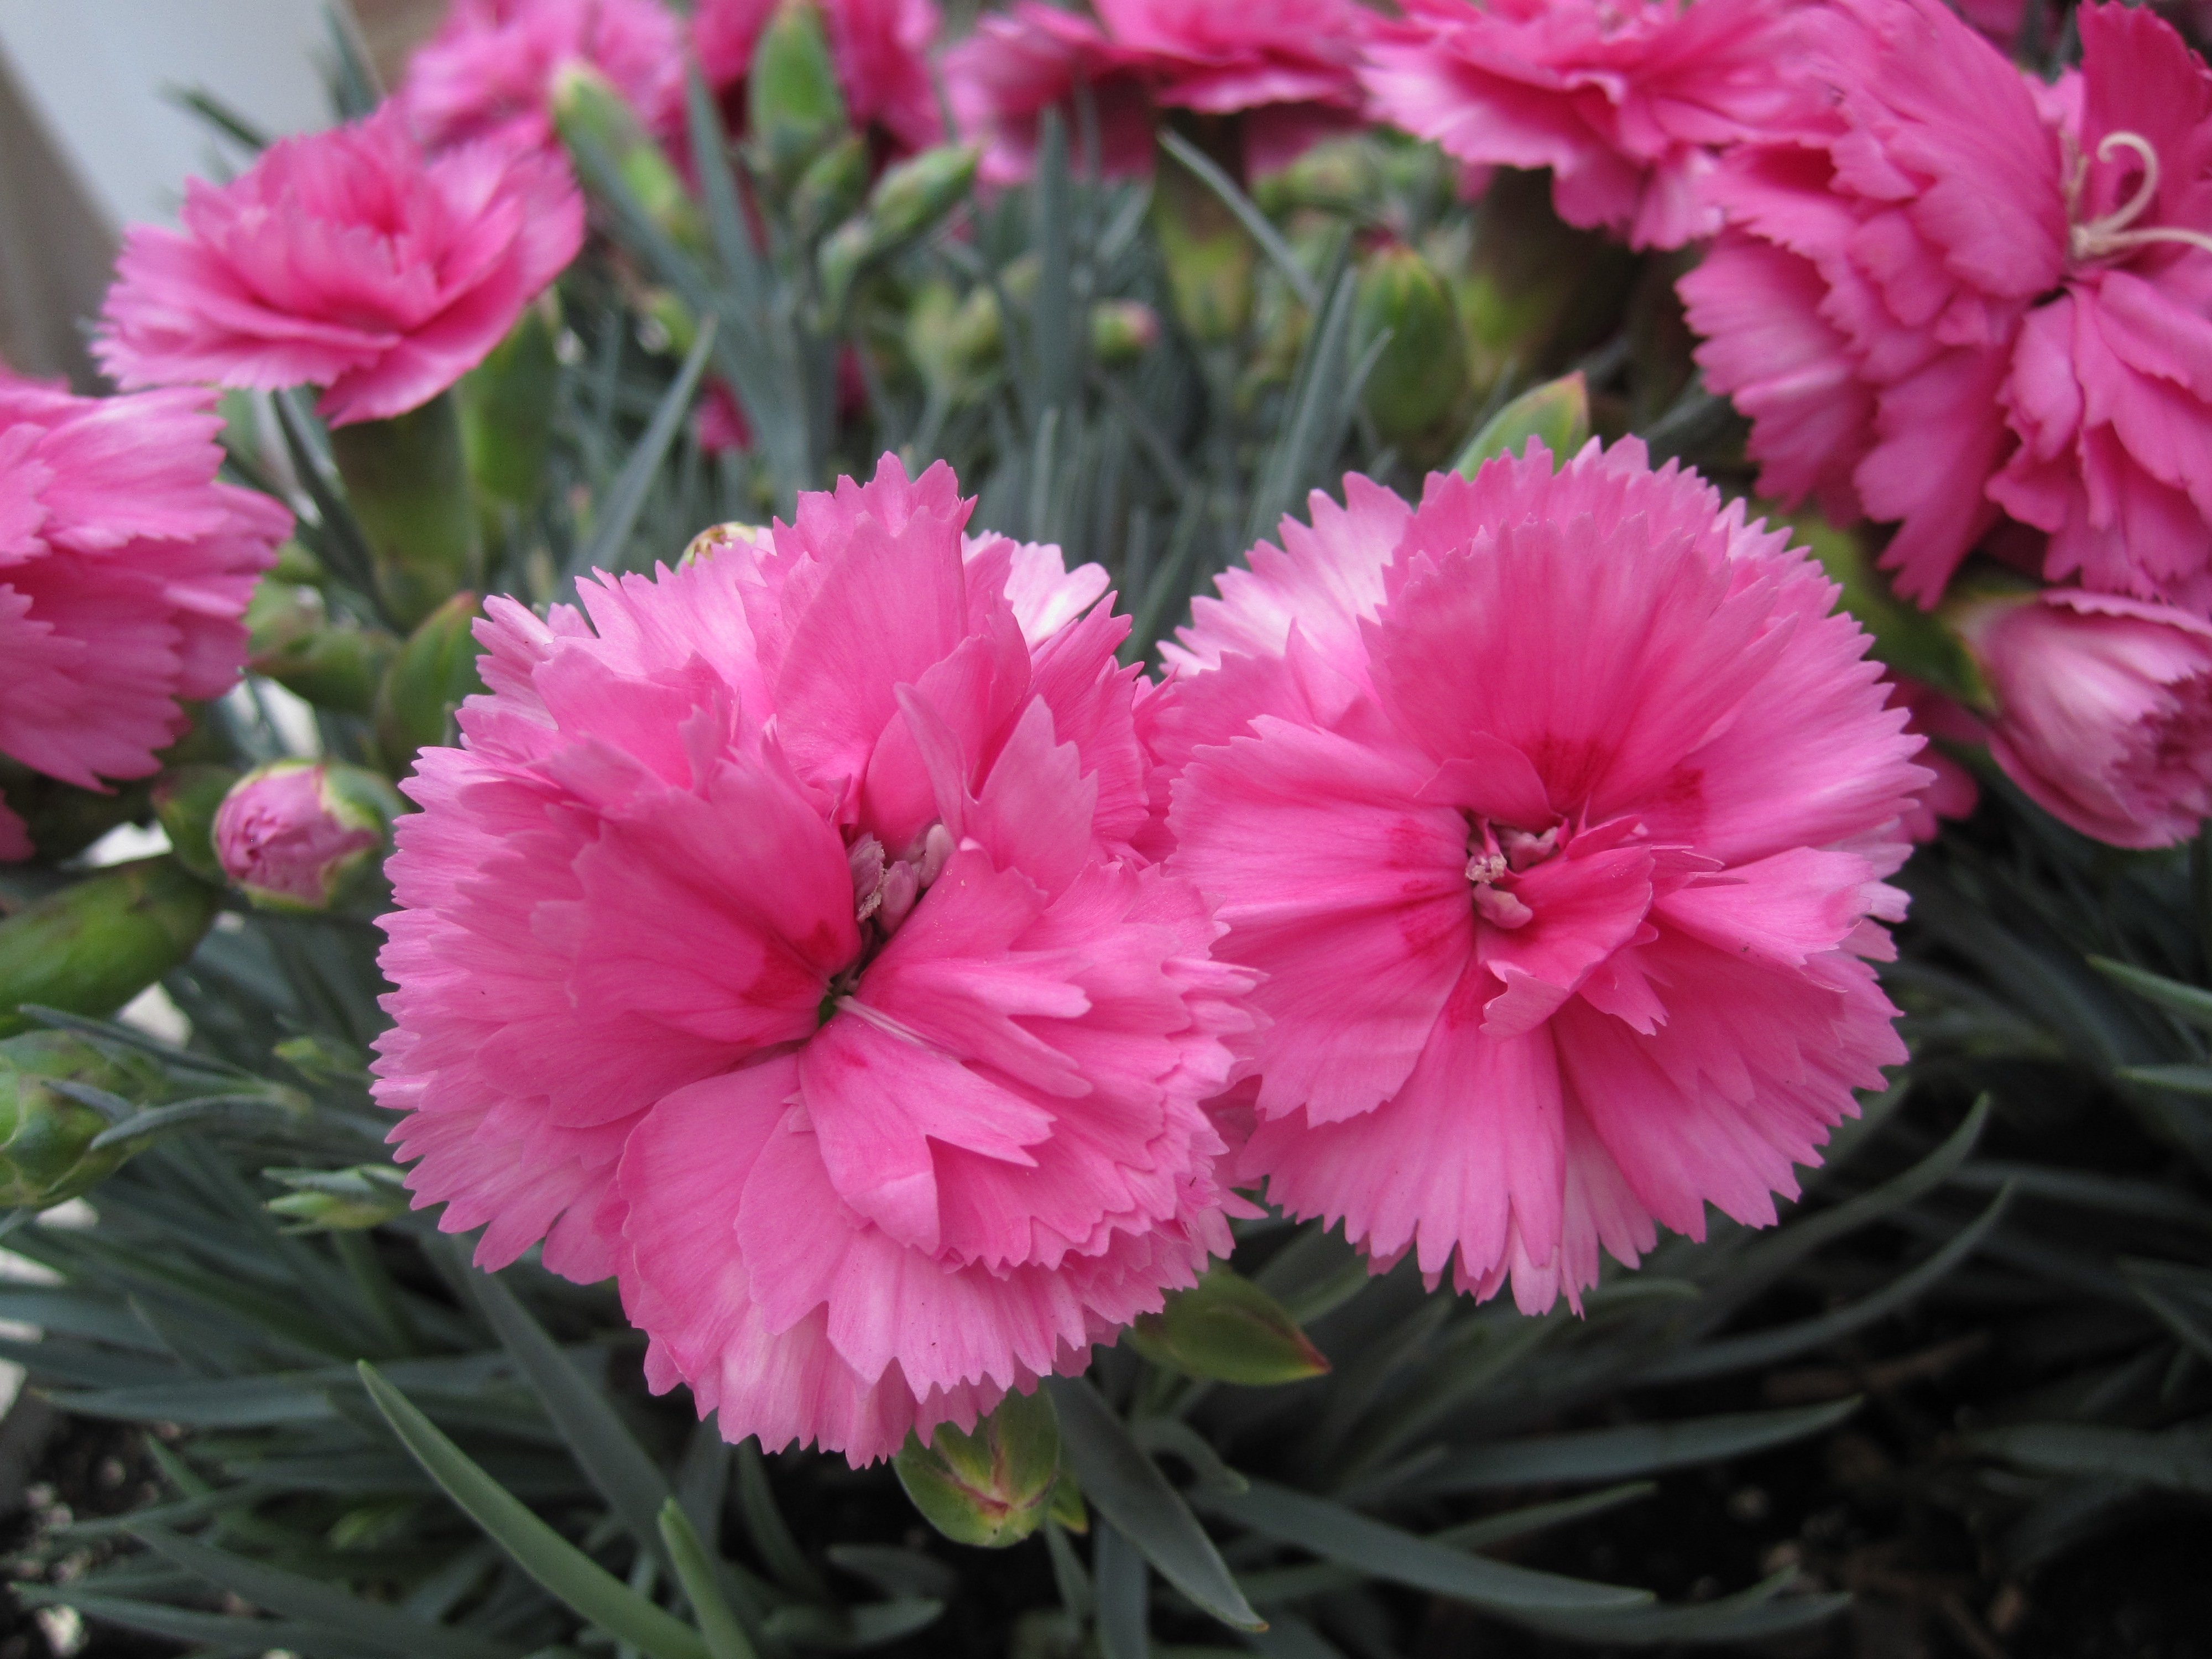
[(291, 834), (2104, 710)]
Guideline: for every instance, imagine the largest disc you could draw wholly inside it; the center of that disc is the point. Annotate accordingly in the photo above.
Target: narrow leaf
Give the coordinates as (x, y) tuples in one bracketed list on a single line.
[(1123, 1604), (1637, 1450), (2186, 1002), (618, 511), (292, 1597), (1336, 1534), (1248, 213), (695, 1570), (1760, 1611), (631, 1482), (1131, 1493), (565, 1571)]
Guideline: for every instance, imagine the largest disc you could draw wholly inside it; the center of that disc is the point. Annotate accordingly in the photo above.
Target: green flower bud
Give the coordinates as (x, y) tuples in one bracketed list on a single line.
[(1228, 1328), (1557, 412), (990, 1488), (339, 1200), (1123, 331), (93, 946), (297, 835), (1338, 175), (953, 343), (1421, 375), (46, 1155), (407, 481), (435, 669), (831, 187), (912, 197), (599, 126), (794, 106)]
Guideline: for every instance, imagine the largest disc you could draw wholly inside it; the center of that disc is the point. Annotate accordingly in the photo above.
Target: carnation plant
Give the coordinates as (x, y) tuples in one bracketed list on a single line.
[(1131, 832)]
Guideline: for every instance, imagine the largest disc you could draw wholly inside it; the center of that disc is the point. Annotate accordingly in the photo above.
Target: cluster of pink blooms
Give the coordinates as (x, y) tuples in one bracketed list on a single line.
[(123, 569), (828, 941)]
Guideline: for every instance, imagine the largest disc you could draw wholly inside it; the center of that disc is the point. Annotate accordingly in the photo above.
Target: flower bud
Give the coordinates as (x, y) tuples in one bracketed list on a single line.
[(991, 1487), (716, 536), (339, 1200), (407, 482), (601, 131), (954, 343), (46, 1155), (1123, 331), (434, 671), (1228, 1328), (294, 835), (912, 197), (292, 640), (1420, 375), (2103, 709), (93, 946), (831, 187), (792, 99)]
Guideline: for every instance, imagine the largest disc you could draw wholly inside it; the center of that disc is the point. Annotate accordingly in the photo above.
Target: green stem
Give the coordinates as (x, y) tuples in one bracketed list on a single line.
[(407, 480)]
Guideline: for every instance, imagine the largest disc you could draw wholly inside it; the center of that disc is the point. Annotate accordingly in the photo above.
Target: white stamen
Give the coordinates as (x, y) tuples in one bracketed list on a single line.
[(2114, 232)]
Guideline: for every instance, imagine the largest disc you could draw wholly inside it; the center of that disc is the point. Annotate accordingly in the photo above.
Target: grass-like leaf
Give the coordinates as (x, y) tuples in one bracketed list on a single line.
[(1636, 1450), (1130, 1491), (1339, 1535), (595, 1593), (625, 498)]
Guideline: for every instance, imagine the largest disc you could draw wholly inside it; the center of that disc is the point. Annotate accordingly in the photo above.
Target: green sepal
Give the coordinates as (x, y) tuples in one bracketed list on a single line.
[(434, 670), (1913, 642), (990, 1488), (1226, 1329), (291, 640), (507, 404), (1556, 414), (184, 800), (95, 945), (407, 481)]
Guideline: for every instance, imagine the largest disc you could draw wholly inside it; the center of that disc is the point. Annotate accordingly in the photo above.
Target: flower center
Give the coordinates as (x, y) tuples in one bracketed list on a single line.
[(1497, 854), (885, 889), (2117, 232)]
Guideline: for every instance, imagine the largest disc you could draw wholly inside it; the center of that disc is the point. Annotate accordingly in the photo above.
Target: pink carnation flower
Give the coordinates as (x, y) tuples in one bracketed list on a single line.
[(1555, 813), (1961, 292), (345, 259), (1289, 67), (774, 943), (880, 49), (2104, 710), (124, 567), (488, 72), (1627, 102)]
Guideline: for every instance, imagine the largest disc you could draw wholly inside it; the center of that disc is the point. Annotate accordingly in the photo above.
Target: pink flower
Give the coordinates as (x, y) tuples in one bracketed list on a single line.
[(1288, 66), (1554, 812), (291, 834), (1627, 102), (2104, 710), (346, 260), (488, 72), (1959, 291), (880, 49), (774, 944), (124, 567)]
